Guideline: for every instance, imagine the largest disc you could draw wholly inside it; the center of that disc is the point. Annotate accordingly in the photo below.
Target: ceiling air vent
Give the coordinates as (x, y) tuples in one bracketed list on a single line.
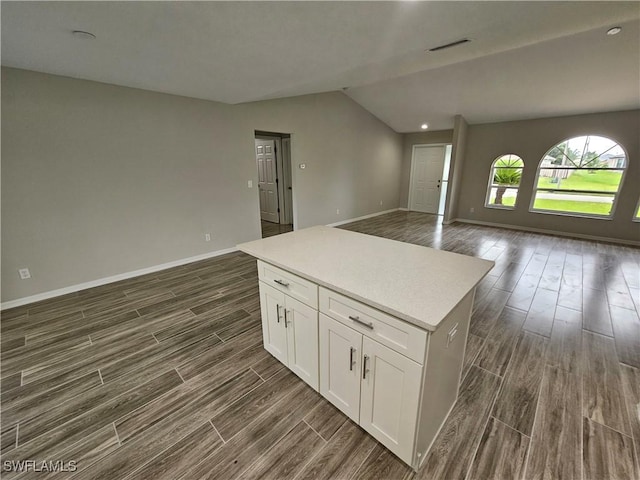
[(449, 45)]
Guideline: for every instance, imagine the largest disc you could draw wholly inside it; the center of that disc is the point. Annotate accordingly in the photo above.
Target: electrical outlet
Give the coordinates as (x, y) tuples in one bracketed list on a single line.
[(338, 211), (451, 335), (472, 210), (250, 184), (24, 273), (207, 237), (380, 202)]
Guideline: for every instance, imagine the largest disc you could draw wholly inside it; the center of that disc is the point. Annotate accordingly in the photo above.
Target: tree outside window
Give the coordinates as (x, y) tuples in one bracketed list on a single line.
[(504, 181), (581, 177)]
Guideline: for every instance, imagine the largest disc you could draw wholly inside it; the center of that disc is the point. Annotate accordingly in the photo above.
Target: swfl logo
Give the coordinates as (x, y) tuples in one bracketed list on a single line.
[(20, 466)]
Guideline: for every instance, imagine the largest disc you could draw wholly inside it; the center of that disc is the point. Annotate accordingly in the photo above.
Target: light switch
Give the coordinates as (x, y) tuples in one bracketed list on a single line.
[(250, 184)]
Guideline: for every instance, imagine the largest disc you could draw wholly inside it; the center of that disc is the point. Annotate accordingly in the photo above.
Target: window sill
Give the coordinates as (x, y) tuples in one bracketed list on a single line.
[(571, 214), (501, 207)]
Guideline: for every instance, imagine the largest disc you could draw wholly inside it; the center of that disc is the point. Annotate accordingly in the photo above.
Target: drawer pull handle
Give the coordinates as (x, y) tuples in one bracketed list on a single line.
[(364, 324), (364, 367), (352, 362), (282, 282)]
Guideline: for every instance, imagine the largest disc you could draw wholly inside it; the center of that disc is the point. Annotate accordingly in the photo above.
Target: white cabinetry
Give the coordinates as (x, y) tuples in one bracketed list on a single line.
[(340, 366), (390, 394), (396, 380), (373, 385), (290, 332)]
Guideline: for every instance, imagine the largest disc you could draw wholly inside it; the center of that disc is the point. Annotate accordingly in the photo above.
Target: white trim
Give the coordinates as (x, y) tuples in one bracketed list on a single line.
[(402, 209), (114, 278), (342, 222), (580, 236)]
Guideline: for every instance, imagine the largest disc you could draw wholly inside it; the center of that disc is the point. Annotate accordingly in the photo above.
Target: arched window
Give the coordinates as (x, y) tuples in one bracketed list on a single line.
[(504, 181), (636, 216), (580, 177)]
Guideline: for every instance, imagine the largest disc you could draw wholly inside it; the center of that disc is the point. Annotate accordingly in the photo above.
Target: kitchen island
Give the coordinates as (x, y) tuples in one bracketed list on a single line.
[(378, 327)]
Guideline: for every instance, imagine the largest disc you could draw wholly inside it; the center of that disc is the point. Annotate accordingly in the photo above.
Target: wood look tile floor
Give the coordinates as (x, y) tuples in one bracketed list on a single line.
[(269, 229), (164, 376)]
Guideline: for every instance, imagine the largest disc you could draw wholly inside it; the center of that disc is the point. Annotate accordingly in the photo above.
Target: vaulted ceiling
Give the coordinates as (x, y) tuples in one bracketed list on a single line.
[(524, 60)]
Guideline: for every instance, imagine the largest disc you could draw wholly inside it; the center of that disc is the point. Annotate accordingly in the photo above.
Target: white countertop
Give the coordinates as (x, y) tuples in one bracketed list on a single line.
[(420, 285)]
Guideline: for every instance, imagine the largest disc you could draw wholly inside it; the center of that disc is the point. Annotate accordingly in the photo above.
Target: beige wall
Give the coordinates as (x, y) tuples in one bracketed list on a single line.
[(531, 139), (408, 141), (100, 180)]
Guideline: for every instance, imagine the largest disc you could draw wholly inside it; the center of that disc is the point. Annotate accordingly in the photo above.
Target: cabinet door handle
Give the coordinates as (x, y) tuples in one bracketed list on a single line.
[(364, 367), (278, 312), (364, 324), (282, 282), (285, 318), (352, 362)]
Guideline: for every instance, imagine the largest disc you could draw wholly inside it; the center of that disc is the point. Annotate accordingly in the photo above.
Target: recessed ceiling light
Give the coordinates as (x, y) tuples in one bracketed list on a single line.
[(614, 31), (424, 126), (84, 35)]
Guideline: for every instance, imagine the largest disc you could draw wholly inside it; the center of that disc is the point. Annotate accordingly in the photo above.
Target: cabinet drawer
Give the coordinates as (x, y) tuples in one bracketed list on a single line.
[(289, 283), (389, 331)]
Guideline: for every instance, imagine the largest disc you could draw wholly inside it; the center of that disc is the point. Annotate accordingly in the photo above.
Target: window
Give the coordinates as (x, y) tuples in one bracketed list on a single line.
[(636, 216), (580, 177), (506, 172)]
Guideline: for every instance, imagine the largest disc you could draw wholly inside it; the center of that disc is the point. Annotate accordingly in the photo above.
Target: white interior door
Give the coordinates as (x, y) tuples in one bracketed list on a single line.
[(267, 180), (340, 352), (427, 165)]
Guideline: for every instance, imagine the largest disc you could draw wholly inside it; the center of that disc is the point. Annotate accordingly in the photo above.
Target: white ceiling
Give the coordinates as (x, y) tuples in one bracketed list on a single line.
[(526, 59)]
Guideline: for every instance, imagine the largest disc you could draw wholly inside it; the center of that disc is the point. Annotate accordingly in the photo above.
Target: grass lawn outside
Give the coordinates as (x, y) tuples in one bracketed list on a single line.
[(600, 180), (573, 206)]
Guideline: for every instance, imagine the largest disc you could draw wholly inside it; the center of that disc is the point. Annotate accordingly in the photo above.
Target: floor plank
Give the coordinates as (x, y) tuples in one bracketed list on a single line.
[(517, 400), (606, 453), (452, 453), (556, 442), (501, 453), (382, 464), (499, 345), (238, 454), (626, 327), (326, 420), (565, 345), (595, 311), (631, 385), (342, 457), (603, 400), (287, 457)]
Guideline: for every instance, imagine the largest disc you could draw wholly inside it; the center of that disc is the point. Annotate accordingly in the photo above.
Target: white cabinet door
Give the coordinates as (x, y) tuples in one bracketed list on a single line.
[(389, 397), (274, 334), (301, 322), (340, 362)]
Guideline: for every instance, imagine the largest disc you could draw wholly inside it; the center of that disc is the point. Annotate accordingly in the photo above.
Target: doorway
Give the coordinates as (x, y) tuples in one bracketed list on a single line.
[(429, 178), (275, 190)]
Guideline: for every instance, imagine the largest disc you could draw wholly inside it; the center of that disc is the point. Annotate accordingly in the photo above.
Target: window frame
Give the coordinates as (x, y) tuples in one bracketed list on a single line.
[(616, 194), (490, 184)]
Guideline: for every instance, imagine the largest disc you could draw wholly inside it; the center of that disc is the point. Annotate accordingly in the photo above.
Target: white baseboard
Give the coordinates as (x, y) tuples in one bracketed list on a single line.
[(103, 281), (342, 222), (548, 232)]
